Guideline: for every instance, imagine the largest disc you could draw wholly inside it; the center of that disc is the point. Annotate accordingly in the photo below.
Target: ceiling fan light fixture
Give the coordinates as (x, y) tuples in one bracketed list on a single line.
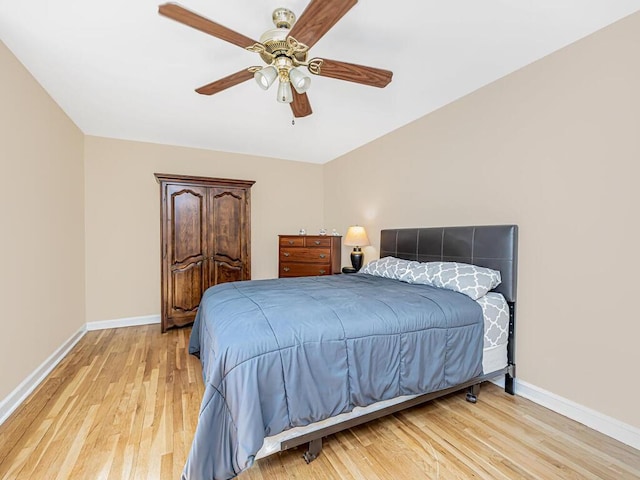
[(285, 95), (266, 76), (300, 81)]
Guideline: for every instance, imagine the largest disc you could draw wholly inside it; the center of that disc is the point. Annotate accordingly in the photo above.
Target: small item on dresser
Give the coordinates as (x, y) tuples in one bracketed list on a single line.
[(302, 231), (335, 233), (322, 232)]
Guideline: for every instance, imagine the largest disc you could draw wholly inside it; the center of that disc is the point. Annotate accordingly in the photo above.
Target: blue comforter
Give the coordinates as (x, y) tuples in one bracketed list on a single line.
[(283, 353)]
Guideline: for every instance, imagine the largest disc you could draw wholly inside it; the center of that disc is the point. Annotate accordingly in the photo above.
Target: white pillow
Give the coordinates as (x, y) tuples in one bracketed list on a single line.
[(388, 267), (472, 280)]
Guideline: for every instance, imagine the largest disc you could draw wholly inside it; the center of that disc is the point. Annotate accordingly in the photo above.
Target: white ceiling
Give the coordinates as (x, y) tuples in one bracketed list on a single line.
[(120, 70)]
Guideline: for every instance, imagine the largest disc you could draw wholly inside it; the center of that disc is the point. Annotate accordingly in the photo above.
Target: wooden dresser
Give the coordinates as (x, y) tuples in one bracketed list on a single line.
[(309, 255)]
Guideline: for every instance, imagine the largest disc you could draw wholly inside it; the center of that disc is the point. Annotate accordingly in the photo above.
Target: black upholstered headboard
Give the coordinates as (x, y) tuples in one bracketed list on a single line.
[(491, 246)]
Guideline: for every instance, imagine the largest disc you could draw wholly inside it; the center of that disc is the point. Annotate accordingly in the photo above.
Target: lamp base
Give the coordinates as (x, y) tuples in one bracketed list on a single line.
[(356, 258)]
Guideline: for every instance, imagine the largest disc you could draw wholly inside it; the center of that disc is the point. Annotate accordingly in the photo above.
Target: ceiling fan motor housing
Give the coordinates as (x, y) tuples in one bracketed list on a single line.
[(276, 45)]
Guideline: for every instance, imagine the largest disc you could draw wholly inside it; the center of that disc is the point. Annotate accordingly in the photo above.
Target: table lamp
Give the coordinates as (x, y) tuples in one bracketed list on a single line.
[(356, 237)]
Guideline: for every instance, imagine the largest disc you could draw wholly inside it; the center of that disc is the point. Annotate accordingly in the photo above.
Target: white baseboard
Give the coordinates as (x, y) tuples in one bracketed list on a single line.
[(29, 384), (123, 322), (591, 418)]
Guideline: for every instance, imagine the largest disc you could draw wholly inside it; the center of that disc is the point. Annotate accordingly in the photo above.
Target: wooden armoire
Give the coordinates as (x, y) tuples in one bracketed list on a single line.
[(205, 231)]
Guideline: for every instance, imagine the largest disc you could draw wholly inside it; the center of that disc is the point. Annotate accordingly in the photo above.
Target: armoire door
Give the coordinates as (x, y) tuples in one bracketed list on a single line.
[(205, 240), (229, 234), (186, 252)]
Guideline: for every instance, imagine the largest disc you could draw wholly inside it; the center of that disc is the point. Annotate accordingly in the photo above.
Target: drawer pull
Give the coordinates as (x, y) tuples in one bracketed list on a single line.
[(317, 242), (286, 269), (291, 242), (322, 255), (286, 254), (322, 272)]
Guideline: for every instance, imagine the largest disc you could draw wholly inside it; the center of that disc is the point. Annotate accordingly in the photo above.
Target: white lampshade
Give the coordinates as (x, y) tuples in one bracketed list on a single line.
[(356, 237), (266, 76), (285, 95), (299, 80)]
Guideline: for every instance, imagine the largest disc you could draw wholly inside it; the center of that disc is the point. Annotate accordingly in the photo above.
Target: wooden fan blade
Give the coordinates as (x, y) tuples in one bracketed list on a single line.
[(182, 15), (300, 105), (318, 18), (376, 77), (224, 83)]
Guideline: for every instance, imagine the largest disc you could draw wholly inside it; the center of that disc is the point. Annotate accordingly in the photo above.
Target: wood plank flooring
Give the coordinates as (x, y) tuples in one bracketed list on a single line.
[(124, 405)]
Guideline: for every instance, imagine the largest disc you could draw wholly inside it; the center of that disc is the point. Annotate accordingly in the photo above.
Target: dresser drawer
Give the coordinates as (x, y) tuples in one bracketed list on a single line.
[(317, 242), (304, 269), (307, 255), (292, 241)]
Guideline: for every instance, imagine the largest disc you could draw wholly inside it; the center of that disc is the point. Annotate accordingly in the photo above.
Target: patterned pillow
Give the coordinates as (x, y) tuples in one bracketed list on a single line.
[(471, 280), (416, 273), (496, 319), (388, 267)]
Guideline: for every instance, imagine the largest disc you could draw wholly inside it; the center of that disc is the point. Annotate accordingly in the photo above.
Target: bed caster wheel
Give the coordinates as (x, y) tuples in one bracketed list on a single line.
[(309, 457), (472, 393)]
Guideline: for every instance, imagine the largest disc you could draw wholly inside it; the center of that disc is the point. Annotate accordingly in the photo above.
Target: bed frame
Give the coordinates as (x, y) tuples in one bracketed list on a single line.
[(492, 246)]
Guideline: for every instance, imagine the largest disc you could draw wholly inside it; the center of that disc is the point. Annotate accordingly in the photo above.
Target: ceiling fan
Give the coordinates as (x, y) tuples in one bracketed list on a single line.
[(285, 49)]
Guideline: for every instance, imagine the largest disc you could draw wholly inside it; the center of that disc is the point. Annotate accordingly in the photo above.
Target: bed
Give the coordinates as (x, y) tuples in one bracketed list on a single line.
[(289, 361)]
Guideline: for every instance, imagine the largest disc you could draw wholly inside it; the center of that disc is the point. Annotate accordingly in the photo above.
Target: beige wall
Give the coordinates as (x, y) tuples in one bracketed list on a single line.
[(555, 148), (123, 211), (42, 241)]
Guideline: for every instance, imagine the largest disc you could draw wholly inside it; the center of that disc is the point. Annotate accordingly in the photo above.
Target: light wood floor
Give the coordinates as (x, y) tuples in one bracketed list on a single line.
[(124, 404)]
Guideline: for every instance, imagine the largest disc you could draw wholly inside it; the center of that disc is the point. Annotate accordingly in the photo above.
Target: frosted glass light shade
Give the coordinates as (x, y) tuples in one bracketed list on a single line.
[(356, 237), (285, 95), (299, 80), (266, 76)]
